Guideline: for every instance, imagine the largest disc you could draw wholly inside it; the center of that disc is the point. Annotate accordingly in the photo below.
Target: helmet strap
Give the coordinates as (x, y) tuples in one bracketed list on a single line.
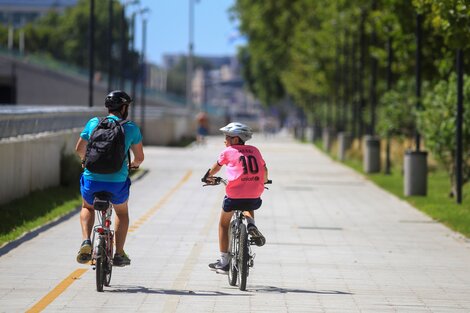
[(126, 111)]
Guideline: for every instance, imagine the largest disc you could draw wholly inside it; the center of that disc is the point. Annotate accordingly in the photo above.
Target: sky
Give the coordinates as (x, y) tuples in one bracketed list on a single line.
[(168, 28)]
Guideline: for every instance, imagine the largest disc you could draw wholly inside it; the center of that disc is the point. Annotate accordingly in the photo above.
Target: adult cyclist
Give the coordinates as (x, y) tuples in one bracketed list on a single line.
[(117, 102)]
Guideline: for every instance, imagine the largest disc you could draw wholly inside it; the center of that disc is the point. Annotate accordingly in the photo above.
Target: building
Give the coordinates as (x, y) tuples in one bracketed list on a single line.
[(17, 13)]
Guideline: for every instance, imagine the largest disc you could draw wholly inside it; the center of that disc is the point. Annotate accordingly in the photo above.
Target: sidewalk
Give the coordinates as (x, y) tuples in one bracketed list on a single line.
[(335, 243)]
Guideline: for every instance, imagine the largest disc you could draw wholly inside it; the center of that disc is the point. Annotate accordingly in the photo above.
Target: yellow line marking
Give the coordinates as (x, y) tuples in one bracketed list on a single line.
[(160, 203), (51, 296), (60, 288)]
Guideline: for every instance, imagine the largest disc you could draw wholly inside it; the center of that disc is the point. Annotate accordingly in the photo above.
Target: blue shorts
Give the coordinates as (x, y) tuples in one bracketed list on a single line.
[(202, 131), (119, 190), (230, 204)]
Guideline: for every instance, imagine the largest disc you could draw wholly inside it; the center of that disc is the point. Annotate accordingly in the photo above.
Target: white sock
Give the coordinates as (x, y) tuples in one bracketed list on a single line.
[(224, 258)]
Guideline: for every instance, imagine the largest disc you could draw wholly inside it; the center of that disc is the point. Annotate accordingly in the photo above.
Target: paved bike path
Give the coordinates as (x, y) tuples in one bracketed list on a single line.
[(335, 243)]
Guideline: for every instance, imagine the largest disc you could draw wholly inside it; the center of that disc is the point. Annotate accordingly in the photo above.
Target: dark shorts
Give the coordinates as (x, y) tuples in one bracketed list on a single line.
[(119, 191), (230, 204), (202, 131)]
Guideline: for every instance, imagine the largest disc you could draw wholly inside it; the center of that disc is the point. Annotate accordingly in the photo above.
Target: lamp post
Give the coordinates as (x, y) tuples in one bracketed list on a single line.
[(189, 61), (415, 162), (91, 52), (123, 42), (134, 68), (143, 12), (110, 44)]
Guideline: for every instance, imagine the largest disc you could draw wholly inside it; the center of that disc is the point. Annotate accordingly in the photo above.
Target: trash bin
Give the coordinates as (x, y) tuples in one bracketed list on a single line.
[(344, 142), (317, 133), (416, 173), (327, 136), (371, 159)]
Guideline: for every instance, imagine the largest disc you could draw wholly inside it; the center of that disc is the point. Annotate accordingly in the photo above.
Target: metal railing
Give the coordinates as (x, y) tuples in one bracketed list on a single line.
[(23, 120)]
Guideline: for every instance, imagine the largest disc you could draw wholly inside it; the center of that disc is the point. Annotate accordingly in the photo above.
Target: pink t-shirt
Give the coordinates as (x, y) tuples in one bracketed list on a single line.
[(245, 171)]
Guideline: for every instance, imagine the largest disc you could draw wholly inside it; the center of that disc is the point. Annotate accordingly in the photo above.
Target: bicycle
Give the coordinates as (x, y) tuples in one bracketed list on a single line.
[(103, 240), (241, 257)]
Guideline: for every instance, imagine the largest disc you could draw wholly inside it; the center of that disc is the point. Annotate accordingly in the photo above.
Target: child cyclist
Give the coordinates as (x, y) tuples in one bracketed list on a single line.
[(246, 175)]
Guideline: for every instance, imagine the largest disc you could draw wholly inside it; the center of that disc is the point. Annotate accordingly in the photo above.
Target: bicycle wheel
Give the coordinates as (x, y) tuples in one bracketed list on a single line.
[(100, 265), (109, 263), (232, 249), (242, 257)]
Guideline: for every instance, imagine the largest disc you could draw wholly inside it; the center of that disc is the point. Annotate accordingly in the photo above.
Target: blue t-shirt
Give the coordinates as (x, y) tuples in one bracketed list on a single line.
[(132, 136)]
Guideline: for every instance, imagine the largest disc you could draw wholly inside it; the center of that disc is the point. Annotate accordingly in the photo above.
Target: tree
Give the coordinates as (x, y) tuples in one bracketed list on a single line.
[(268, 26), (396, 114), (65, 36), (437, 124)]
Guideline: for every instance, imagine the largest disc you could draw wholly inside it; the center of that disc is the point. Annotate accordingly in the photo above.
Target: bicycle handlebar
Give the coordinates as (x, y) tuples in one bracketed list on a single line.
[(216, 180)]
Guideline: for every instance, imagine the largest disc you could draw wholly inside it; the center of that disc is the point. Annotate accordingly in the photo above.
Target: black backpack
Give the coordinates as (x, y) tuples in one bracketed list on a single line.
[(105, 152)]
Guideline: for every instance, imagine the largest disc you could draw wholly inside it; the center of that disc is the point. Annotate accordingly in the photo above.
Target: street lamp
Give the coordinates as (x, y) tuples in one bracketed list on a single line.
[(123, 41), (143, 13), (110, 44), (189, 62), (91, 52)]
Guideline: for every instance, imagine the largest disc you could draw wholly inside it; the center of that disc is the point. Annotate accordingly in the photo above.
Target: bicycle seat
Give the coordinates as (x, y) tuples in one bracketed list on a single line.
[(101, 201)]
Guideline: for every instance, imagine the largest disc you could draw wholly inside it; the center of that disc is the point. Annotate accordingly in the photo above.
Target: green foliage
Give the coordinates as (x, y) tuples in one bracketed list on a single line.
[(451, 18), (66, 36), (396, 114), (437, 123), (268, 26)]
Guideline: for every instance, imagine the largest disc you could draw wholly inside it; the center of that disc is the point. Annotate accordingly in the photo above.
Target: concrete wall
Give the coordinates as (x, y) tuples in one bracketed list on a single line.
[(31, 163), (35, 84)]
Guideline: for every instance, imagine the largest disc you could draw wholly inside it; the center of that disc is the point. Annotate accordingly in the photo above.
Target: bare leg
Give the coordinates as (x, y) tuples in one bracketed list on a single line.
[(224, 224), (121, 226), (249, 214), (87, 219)]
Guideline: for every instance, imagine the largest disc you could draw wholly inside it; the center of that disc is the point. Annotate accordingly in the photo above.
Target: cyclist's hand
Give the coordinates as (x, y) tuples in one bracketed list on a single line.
[(205, 177), (134, 166), (211, 180)]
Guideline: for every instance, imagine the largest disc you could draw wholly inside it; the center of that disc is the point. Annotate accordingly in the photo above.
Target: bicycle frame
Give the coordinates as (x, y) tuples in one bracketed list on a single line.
[(240, 254), (103, 245), (103, 231)]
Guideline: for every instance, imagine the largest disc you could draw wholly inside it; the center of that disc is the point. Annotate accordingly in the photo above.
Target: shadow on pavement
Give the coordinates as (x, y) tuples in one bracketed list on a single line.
[(272, 289), (162, 291)]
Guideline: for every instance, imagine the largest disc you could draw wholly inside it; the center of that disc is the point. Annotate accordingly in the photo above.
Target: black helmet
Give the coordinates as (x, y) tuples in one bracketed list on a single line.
[(116, 99)]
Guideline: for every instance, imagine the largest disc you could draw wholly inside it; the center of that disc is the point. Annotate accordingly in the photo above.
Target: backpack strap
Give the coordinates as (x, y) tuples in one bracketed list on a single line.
[(122, 122)]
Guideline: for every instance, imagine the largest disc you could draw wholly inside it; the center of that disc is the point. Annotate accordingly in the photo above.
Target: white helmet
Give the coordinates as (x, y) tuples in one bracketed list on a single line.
[(237, 130)]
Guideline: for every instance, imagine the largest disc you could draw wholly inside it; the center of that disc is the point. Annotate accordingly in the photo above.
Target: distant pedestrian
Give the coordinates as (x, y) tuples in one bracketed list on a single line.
[(202, 127)]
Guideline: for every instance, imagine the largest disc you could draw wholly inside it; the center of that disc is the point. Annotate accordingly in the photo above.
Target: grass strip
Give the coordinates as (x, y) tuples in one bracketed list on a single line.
[(437, 204), (38, 208)]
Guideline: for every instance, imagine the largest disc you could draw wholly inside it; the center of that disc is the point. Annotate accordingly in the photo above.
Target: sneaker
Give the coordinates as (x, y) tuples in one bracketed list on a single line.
[(84, 254), (121, 260), (217, 266), (256, 235), (223, 270)]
